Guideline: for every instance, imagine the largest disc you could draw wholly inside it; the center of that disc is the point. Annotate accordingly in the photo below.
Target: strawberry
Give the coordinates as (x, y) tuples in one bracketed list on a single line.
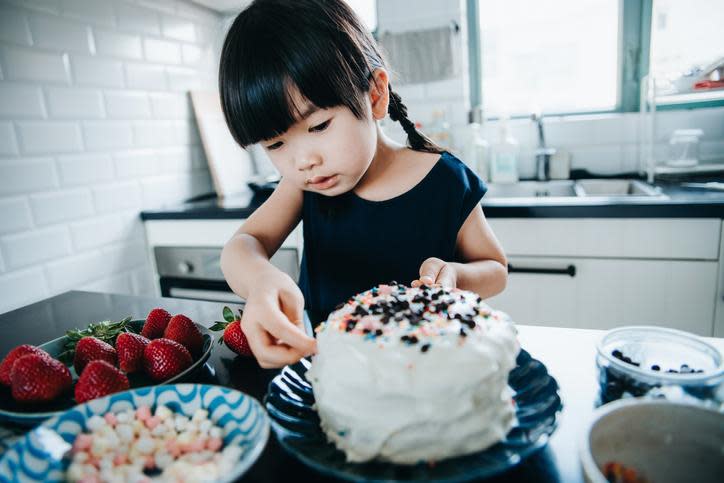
[(156, 323), (181, 329), (129, 347), (38, 378), (90, 349), (234, 336), (165, 358), (7, 364), (99, 378)]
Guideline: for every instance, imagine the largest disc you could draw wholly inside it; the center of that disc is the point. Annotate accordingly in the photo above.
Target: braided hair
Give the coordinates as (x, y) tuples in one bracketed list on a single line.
[(415, 139)]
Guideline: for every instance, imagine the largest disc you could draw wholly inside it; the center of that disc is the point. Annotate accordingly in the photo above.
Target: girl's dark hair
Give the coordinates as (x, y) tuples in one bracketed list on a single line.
[(320, 47)]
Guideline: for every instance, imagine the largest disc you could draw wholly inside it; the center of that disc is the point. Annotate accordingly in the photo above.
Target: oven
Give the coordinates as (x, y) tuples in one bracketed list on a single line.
[(195, 272)]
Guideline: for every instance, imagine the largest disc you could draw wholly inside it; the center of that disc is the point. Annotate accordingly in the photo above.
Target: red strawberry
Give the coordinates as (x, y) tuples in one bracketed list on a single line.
[(165, 358), (7, 364), (156, 323), (181, 329), (235, 338), (90, 348), (99, 378), (130, 348), (37, 378)]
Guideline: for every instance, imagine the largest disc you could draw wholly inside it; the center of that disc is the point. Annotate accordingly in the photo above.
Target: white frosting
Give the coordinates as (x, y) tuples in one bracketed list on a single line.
[(380, 396)]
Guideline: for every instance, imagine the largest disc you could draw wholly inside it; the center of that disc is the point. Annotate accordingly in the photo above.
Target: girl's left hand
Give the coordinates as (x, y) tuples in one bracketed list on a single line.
[(434, 271)]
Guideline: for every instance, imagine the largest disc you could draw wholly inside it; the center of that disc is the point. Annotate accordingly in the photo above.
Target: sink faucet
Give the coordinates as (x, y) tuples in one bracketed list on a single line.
[(542, 153)]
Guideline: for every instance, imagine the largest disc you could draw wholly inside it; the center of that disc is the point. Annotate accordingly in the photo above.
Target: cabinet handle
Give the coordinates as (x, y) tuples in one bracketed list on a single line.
[(569, 270)]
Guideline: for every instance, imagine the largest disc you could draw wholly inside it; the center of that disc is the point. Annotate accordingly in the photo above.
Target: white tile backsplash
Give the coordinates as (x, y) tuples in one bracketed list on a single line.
[(127, 105), (15, 214), (57, 206), (27, 175), (98, 12), (103, 230), (162, 51), (85, 169), (14, 27), (178, 29), (21, 287), (54, 33), (37, 137), (114, 44), (134, 18), (33, 247), (142, 76), (21, 101), (74, 103), (118, 196), (90, 71), (8, 146), (95, 124), (34, 65), (107, 135)]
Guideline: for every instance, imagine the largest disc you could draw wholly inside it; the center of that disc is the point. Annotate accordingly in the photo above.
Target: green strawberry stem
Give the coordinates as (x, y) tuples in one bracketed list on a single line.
[(107, 331), (229, 317)]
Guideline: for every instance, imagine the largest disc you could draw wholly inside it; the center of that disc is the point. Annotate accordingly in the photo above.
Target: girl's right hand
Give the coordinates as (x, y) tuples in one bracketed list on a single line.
[(273, 321)]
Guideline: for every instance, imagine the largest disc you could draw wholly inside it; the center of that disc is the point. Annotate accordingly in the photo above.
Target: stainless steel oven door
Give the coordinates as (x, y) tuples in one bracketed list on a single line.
[(195, 272)]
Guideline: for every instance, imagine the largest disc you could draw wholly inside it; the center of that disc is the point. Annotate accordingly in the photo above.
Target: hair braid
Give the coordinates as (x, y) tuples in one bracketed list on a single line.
[(415, 139)]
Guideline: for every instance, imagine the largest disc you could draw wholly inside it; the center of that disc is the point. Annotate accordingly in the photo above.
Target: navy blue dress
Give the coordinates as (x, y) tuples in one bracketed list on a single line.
[(352, 244)]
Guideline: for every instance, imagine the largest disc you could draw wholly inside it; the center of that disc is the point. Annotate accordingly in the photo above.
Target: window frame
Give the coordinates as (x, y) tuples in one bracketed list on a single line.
[(634, 33)]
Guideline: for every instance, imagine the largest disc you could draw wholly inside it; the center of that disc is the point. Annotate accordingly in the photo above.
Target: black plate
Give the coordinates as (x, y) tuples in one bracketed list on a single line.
[(290, 398)]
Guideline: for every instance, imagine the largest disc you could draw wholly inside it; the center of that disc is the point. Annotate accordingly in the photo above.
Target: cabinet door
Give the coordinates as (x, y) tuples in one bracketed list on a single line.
[(607, 293)]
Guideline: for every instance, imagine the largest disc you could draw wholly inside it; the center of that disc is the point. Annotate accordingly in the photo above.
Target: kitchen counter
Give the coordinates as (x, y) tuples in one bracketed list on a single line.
[(680, 203), (569, 355)]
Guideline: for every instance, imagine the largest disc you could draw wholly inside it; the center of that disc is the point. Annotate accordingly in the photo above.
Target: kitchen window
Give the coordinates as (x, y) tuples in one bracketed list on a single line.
[(590, 56), (687, 54)]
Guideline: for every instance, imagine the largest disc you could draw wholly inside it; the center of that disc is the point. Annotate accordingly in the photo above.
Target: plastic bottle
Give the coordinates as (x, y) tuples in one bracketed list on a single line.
[(439, 131), (476, 150), (504, 156)]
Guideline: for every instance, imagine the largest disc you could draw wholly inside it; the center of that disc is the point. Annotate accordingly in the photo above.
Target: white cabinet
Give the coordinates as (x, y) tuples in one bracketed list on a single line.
[(626, 271)]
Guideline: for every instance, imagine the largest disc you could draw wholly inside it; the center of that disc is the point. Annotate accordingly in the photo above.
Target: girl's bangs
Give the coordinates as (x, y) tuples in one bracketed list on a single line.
[(259, 81)]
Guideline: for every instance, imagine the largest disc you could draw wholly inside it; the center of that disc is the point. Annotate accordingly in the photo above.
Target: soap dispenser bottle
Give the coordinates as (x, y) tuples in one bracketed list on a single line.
[(476, 151), (504, 155)]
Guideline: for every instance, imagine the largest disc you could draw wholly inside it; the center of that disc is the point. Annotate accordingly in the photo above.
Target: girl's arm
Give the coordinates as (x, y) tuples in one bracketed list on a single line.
[(486, 268), (273, 319), (250, 248)]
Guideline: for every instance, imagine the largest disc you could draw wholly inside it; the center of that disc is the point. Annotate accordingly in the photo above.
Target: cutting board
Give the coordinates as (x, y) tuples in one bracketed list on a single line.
[(230, 165)]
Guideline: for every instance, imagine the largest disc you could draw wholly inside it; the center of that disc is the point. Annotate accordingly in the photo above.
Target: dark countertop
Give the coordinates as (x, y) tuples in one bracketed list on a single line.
[(569, 355), (681, 203)]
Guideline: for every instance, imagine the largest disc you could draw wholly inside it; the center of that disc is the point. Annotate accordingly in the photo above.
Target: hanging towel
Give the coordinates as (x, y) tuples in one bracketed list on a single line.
[(422, 55)]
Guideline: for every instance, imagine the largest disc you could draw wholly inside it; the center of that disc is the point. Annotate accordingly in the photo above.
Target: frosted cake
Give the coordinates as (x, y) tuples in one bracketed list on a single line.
[(414, 374)]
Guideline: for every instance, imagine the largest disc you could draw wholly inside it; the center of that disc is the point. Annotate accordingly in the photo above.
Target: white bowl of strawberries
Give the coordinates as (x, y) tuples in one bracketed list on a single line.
[(37, 383)]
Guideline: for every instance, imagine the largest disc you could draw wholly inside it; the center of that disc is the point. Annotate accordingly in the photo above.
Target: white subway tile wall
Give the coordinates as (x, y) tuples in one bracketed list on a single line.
[(95, 125)]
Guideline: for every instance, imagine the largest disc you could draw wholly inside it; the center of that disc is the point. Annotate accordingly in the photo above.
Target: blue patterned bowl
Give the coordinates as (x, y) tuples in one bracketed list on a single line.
[(32, 415), (39, 455)]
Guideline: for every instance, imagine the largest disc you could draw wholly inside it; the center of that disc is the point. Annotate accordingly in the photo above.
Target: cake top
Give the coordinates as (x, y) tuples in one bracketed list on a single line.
[(420, 316)]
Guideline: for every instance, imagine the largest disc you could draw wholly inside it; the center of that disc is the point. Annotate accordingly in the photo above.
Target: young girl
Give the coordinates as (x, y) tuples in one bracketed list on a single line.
[(306, 80)]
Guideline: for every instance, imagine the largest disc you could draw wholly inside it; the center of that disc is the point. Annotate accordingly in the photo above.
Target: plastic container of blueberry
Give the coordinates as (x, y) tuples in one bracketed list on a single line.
[(634, 360)]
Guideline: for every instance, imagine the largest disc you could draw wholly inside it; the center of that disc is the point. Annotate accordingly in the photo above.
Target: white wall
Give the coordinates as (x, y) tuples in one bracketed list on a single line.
[(604, 144), (95, 125)]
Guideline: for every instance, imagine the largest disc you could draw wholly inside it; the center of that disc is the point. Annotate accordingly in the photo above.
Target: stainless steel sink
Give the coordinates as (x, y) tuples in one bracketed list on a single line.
[(615, 188), (531, 189)]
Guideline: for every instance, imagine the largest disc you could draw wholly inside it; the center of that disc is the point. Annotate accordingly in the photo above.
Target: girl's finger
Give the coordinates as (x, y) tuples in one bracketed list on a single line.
[(447, 277), (279, 326), (430, 269), (266, 350)]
